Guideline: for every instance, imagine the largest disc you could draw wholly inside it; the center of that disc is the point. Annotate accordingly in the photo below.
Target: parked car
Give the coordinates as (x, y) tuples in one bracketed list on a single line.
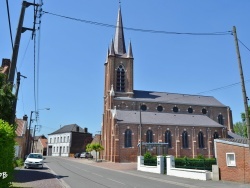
[(86, 155), (77, 155), (34, 160)]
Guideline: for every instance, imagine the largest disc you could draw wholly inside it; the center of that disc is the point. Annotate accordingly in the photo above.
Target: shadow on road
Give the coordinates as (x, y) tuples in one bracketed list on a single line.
[(29, 175)]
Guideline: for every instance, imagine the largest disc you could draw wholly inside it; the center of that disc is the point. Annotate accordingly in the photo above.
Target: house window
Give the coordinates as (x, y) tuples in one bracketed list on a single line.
[(149, 136), (54, 149), (67, 149), (184, 139), (57, 149), (68, 138), (216, 135), (54, 140), (201, 140), (63, 149), (50, 140), (120, 79), (230, 157), (61, 139), (168, 138), (220, 119), (128, 138), (64, 139), (57, 139)]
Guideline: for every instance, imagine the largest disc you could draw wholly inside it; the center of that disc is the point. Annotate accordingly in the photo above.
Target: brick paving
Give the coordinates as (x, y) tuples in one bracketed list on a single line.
[(35, 178)]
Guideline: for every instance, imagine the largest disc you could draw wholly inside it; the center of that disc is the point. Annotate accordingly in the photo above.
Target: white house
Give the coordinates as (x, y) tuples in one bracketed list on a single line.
[(68, 140)]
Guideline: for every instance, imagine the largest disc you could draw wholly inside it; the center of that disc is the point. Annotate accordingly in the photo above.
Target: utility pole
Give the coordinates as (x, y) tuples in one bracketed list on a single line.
[(16, 95), (242, 84), (20, 30)]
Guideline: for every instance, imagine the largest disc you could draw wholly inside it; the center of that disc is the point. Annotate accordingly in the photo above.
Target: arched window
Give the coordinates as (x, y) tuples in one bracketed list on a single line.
[(128, 138), (201, 140), (168, 138), (184, 139), (149, 136), (120, 79), (220, 119), (216, 135)]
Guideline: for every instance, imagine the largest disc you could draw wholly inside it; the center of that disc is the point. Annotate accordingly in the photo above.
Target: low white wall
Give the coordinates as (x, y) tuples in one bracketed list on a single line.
[(186, 173), (159, 169)]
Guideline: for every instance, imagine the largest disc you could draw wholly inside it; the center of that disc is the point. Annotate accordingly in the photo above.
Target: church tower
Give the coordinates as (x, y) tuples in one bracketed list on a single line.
[(118, 82)]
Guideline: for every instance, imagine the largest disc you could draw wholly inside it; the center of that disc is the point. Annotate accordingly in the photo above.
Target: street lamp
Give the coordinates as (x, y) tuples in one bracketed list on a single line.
[(28, 135)]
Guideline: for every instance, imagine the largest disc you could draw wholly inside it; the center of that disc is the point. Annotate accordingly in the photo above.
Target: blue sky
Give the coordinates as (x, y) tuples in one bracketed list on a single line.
[(72, 54)]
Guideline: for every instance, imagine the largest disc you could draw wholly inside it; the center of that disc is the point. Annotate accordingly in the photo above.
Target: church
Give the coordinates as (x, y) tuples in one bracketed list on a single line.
[(162, 123)]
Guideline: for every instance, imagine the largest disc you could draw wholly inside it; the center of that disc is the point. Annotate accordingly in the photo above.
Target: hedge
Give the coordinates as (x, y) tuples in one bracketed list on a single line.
[(7, 143)]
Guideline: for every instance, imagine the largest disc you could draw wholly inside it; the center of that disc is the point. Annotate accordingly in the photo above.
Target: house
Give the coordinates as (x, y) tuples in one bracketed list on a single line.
[(40, 144), (68, 140), (233, 159), (21, 137), (136, 121)]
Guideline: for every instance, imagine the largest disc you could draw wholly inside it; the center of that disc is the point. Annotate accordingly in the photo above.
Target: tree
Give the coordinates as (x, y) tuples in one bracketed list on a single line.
[(6, 99), (240, 128), (94, 147)]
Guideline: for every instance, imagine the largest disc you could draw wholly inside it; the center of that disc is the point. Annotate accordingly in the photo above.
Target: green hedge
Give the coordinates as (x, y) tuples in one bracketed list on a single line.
[(196, 163), (7, 143)]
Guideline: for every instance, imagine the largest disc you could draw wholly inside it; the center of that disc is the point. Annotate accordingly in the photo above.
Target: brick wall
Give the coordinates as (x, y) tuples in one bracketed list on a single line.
[(240, 172)]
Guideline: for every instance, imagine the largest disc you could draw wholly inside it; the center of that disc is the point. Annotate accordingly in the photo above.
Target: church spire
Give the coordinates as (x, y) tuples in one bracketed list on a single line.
[(112, 50), (119, 43), (130, 53)]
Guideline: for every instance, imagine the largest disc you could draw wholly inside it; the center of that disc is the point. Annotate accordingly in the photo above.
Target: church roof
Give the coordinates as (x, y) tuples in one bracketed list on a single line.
[(69, 128), (176, 98), (133, 117)]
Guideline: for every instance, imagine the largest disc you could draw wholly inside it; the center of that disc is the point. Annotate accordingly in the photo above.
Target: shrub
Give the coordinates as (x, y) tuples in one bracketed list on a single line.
[(7, 143)]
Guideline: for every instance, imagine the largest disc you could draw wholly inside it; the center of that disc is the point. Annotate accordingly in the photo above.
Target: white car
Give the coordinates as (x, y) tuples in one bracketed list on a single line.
[(34, 160)]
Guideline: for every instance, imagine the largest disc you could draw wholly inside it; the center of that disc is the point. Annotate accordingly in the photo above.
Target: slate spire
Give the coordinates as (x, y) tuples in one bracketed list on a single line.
[(119, 43)]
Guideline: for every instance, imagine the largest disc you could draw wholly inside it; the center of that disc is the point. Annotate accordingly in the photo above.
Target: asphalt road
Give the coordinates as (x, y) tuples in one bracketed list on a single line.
[(79, 174)]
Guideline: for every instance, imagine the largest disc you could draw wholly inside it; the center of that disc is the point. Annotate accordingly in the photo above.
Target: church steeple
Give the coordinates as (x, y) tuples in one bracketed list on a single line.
[(119, 42)]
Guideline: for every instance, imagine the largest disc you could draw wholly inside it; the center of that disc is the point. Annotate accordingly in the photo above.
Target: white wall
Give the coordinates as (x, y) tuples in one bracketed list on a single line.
[(58, 141)]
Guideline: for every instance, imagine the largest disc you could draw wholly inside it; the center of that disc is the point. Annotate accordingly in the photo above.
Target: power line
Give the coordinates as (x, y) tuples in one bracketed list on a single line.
[(137, 29), (8, 11), (243, 44)]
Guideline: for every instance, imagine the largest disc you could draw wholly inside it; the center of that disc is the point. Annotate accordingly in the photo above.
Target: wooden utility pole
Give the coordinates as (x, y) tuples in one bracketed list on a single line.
[(242, 85)]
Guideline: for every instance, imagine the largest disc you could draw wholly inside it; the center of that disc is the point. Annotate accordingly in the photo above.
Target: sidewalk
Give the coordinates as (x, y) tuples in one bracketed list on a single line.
[(36, 178)]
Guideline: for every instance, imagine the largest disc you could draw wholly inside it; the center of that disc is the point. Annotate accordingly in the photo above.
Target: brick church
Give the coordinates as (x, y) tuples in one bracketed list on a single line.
[(169, 123)]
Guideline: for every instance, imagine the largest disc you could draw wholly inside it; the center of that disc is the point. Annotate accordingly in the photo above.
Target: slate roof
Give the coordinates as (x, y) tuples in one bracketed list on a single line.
[(68, 128), (233, 135), (233, 141), (176, 98), (133, 117)]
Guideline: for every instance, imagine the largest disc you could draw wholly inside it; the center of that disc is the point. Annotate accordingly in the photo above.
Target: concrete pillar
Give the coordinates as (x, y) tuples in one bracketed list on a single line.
[(170, 163), (160, 164)]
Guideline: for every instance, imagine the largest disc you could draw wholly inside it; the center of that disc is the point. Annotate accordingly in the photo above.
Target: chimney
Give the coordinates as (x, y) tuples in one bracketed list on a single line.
[(85, 130), (77, 128)]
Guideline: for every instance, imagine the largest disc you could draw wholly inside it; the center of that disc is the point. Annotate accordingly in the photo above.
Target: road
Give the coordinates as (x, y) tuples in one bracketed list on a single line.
[(76, 173)]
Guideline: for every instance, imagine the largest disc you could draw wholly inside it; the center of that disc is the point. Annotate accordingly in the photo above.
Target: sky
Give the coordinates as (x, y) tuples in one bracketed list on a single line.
[(69, 55)]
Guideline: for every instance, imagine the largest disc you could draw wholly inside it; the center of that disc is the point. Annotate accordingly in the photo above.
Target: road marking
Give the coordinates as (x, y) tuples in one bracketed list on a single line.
[(115, 181), (97, 174)]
